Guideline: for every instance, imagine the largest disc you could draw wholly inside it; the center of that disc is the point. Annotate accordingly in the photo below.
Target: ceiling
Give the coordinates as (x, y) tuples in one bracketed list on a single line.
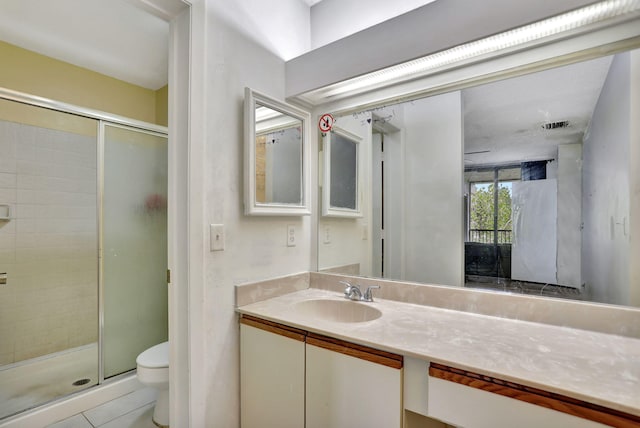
[(118, 38), (504, 121), (115, 37)]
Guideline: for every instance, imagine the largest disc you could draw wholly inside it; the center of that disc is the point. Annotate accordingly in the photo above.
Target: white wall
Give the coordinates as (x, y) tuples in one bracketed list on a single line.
[(605, 251), (237, 52), (569, 176), (433, 177), (332, 20), (281, 27)]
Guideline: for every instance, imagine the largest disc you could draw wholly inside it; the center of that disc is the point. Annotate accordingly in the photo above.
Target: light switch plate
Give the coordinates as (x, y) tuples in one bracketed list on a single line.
[(327, 235), (216, 237)]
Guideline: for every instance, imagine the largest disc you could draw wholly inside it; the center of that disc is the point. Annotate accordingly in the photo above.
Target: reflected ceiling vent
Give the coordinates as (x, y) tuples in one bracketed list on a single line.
[(556, 125)]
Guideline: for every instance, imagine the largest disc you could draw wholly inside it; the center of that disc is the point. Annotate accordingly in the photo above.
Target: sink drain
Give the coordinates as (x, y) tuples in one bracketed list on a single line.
[(80, 382)]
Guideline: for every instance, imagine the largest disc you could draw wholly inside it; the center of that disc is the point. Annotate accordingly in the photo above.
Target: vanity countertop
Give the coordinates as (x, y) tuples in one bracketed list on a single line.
[(598, 368)]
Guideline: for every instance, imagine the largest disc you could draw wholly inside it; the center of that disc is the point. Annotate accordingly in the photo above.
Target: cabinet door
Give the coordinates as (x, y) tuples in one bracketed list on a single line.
[(346, 391), (471, 400), (271, 377), (474, 408)]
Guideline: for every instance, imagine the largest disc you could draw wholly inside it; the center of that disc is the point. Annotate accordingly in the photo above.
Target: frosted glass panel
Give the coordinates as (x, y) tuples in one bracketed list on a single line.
[(344, 169), (134, 245)]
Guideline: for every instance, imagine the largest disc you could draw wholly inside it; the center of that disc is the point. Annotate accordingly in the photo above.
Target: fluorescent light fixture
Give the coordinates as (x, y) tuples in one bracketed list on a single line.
[(420, 67), (268, 120), (265, 113)]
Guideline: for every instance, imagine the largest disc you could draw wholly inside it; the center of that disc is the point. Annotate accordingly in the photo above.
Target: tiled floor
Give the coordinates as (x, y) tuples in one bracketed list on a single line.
[(133, 410)]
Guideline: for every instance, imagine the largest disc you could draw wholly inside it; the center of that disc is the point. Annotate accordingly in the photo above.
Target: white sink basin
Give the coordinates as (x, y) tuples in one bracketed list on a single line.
[(338, 310)]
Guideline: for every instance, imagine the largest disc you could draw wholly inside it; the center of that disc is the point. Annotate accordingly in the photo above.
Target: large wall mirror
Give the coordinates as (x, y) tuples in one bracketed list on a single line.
[(276, 157), (524, 185)]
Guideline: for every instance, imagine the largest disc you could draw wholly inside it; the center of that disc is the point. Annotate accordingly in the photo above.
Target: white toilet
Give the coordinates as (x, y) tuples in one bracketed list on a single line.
[(153, 371)]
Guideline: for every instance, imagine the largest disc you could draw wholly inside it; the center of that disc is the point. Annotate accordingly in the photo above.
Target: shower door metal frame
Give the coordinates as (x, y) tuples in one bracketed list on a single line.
[(102, 125), (34, 100), (103, 119)]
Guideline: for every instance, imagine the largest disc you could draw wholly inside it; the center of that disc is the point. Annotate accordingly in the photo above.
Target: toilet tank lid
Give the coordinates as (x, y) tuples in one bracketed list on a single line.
[(155, 357)]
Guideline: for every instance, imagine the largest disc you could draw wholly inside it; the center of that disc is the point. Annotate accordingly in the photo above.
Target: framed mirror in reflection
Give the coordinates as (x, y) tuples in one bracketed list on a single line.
[(276, 157), (524, 185), (341, 160)]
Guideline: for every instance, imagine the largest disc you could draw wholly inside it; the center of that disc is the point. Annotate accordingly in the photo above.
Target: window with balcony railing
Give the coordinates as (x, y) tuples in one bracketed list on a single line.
[(490, 213), (487, 236)]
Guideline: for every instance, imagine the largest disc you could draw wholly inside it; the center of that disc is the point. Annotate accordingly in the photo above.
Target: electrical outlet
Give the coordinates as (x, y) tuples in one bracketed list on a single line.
[(216, 237), (291, 236), (327, 235)]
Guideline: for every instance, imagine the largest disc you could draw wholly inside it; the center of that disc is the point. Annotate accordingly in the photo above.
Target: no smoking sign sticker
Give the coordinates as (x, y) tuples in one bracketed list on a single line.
[(326, 122)]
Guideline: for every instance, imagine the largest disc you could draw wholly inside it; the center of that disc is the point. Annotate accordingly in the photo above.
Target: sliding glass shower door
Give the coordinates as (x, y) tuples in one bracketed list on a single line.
[(134, 245), (48, 255), (83, 248)]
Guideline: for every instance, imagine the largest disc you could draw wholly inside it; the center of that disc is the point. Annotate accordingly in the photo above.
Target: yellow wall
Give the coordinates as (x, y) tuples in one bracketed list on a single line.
[(162, 106), (12, 111), (36, 74)]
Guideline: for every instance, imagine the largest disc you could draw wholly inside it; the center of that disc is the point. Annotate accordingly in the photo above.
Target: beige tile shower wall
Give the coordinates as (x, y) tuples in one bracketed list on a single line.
[(48, 248)]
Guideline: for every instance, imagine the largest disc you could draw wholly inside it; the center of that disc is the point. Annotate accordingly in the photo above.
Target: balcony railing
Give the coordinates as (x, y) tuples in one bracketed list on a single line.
[(486, 236)]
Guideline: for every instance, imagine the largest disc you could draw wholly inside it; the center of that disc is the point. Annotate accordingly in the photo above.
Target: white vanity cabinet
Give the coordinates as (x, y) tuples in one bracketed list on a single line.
[(290, 378), (471, 400), (271, 375), (351, 386)]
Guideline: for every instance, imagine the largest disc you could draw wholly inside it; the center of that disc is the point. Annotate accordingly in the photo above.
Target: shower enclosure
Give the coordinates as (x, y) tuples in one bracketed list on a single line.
[(83, 247)]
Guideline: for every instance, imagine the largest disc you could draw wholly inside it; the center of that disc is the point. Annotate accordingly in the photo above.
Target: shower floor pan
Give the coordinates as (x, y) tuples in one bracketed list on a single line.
[(34, 382)]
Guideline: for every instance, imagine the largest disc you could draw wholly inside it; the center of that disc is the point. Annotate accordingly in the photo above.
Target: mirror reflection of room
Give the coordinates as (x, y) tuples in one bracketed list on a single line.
[(532, 191), (278, 157), (344, 173), (534, 147), (341, 188)]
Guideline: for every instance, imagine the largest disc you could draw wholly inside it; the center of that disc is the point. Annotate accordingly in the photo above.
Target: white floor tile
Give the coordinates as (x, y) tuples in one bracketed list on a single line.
[(140, 418), (104, 413), (77, 421)]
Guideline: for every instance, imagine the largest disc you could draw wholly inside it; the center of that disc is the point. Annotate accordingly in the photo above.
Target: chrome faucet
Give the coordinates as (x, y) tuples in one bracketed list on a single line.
[(353, 292), (368, 296)]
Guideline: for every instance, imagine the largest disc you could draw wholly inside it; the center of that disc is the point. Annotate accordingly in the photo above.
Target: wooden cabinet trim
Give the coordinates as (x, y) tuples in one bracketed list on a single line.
[(274, 327), (358, 351), (550, 400)]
